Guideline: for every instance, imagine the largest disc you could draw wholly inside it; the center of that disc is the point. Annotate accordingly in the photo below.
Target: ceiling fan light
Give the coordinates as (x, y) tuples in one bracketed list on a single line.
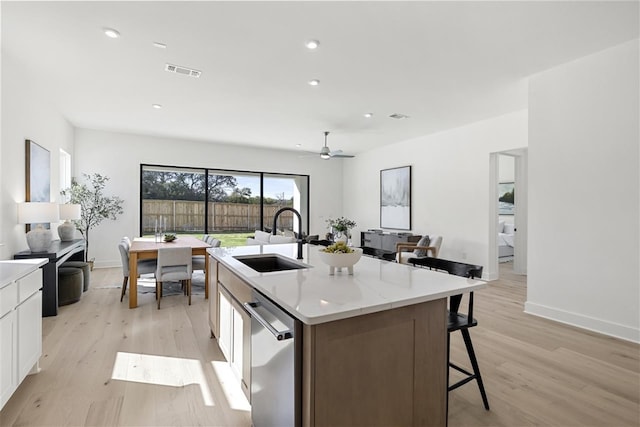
[(325, 156)]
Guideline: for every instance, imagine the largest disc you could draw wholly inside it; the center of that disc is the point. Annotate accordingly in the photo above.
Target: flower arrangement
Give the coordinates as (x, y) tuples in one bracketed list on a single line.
[(341, 224)]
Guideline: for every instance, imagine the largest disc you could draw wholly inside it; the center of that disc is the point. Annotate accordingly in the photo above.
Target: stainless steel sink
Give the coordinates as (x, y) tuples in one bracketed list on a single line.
[(267, 263)]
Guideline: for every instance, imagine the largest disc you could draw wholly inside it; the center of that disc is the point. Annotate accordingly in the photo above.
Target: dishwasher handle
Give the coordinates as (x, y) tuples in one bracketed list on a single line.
[(279, 335)]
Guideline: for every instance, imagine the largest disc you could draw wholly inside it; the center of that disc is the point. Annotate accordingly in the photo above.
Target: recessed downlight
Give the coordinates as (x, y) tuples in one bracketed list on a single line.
[(111, 33), (157, 106), (312, 44), (314, 82), (159, 45), (298, 145), (368, 115)]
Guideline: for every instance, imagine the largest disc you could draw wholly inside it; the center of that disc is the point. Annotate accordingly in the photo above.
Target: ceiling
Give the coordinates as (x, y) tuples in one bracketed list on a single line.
[(443, 64)]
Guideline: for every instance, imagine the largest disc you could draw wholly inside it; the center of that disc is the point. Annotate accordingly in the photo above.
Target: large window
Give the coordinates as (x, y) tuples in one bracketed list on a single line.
[(230, 205)]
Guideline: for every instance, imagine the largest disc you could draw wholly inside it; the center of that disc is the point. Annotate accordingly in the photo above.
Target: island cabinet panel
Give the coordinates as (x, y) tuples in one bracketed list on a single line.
[(213, 298), (380, 369), (234, 324)]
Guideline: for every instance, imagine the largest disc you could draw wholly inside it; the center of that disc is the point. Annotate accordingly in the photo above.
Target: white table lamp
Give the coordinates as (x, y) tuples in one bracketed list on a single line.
[(38, 239), (66, 230)]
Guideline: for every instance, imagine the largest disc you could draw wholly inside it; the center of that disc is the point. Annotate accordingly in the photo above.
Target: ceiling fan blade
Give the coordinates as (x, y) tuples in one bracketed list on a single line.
[(338, 153)]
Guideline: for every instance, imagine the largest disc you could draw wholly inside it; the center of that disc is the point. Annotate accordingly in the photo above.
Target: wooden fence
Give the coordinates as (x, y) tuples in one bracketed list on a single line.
[(181, 216)]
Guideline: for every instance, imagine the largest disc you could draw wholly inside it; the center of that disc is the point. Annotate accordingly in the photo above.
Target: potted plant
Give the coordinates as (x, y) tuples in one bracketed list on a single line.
[(95, 207), (340, 228)]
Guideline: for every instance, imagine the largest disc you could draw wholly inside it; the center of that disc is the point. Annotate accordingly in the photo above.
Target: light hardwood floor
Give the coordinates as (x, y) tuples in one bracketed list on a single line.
[(536, 372)]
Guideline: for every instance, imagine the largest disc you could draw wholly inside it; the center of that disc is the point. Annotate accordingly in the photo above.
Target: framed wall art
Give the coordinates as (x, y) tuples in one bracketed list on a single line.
[(506, 198), (38, 173), (395, 198)]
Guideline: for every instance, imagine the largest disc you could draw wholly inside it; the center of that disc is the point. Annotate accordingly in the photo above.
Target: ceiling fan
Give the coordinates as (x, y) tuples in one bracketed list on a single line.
[(326, 153)]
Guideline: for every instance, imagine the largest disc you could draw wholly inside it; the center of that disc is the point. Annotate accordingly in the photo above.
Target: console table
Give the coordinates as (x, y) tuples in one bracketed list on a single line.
[(57, 253), (383, 245)]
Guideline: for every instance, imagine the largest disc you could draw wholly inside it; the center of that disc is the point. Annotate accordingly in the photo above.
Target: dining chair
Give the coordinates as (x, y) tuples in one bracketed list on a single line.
[(198, 262), (146, 266), (174, 264), (457, 321)]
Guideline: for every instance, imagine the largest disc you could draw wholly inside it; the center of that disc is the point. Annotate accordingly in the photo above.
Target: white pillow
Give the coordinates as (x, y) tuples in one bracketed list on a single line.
[(501, 226), (281, 239), (509, 228), (262, 236)]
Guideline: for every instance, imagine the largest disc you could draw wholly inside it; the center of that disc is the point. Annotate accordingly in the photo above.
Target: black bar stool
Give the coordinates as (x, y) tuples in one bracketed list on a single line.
[(459, 321)]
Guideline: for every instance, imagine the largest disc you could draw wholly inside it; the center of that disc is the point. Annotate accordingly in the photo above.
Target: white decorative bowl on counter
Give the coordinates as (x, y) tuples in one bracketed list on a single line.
[(340, 260)]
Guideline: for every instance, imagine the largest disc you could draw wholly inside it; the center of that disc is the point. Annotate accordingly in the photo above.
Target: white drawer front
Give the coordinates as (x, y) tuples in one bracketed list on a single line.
[(8, 298), (30, 284)]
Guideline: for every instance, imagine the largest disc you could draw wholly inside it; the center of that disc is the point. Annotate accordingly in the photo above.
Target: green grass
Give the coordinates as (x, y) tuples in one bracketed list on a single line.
[(226, 239), (232, 239)]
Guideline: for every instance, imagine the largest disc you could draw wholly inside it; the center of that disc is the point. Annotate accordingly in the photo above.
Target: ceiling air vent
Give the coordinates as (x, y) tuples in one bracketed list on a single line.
[(182, 70), (399, 116)]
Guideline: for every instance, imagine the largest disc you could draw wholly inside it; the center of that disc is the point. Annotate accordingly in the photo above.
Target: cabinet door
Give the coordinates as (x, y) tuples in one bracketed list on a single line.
[(29, 334), (8, 369), (213, 298), (241, 346), (226, 322), (237, 343)]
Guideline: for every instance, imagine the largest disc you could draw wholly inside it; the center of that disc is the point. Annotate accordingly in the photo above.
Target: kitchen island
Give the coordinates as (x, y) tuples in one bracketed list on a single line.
[(373, 345)]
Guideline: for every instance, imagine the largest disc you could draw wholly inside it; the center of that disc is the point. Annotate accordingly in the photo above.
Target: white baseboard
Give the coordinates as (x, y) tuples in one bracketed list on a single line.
[(107, 264), (616, 330)]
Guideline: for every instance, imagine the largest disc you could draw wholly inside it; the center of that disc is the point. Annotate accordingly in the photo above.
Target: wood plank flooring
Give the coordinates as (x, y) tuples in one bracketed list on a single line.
[(536, 372)]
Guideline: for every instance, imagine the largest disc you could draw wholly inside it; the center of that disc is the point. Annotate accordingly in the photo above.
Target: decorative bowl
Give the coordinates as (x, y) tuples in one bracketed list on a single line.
[(340, 260), (169, 238)]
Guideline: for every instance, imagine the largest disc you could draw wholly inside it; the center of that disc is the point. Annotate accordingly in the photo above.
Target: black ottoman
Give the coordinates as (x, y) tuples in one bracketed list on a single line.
[(86, 271), (70, 284)]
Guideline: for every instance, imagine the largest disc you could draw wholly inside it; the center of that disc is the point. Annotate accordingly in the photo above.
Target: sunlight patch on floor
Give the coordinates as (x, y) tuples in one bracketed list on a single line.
[(231, 387), (161, 370)]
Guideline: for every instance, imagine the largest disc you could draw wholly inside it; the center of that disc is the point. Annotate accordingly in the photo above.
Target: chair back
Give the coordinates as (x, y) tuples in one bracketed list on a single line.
[(215, 243), (456, 268), (436, 242), (174, 264), (124, 257)]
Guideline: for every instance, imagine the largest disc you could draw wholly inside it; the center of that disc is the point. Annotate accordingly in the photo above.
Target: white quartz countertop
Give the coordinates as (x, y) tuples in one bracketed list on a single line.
[(313, 296), (10, 270)]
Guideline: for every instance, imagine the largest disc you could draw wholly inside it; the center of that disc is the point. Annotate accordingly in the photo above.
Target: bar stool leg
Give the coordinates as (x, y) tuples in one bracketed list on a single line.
[(474, 363)]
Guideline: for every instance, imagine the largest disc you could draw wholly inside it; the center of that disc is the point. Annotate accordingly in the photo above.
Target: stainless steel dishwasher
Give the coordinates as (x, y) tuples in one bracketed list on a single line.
[(275, 364)]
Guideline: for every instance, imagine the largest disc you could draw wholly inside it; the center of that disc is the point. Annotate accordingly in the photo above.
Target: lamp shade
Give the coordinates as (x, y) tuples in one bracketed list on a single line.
[(37, 212), (69, 211)]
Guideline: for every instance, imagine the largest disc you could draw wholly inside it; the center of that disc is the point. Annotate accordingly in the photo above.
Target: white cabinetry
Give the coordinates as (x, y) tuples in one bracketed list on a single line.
[(234, 337), (20, 323)]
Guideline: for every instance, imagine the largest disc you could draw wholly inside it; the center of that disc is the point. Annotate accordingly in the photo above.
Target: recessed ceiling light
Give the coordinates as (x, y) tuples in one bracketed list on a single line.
[(160, 45), (157, 106), (298, 145), (314, 82), (111, 33), (399, 116), (312, 44), (368, 115)]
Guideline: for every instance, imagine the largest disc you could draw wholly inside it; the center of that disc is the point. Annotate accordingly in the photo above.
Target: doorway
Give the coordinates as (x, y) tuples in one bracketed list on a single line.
[(508, 211)]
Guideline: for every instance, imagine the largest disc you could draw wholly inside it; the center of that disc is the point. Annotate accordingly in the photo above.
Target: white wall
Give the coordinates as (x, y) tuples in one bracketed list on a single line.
[(27, 113), (119, 156), (584, 193), (450, 183)]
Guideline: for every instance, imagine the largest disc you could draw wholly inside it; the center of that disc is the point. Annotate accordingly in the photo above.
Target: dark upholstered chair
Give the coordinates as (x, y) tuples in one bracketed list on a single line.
[(459, 321)]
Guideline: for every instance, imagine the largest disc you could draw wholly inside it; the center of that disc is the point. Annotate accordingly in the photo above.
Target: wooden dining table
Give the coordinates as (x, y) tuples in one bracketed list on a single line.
[(147, 248)]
